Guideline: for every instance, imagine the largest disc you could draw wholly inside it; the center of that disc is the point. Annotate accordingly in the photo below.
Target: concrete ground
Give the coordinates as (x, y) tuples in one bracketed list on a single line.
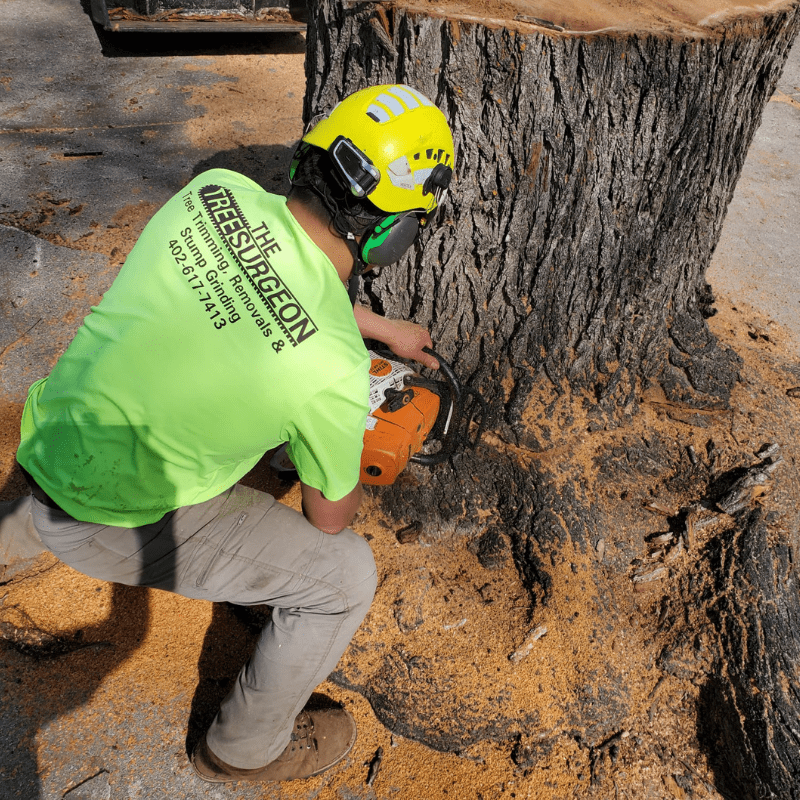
[(96, 131), (94, 123), (83, 118), (757, 260)]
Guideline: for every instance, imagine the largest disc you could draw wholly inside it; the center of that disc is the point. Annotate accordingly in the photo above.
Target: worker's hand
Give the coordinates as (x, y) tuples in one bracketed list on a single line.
[(403, 338), (406, 339)]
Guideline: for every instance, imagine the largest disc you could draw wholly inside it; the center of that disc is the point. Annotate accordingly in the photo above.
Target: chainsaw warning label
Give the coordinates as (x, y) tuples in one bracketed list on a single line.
[(384, 374), (241, 278), (380, 367)]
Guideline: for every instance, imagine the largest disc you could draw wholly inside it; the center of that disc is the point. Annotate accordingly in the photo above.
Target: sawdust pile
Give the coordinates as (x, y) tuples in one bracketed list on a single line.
[(434, 598), (579, 15)]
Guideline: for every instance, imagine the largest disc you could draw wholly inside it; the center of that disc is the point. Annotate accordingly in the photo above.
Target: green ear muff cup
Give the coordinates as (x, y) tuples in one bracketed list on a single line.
[(387, 241)]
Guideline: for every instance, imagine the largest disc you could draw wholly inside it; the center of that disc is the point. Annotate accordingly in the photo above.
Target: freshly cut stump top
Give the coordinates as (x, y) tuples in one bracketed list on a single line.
[(679, 16)]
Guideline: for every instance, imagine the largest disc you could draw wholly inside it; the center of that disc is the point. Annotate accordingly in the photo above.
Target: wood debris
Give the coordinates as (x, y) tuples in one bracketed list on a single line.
[(409, 534), (659, 508), (527, 646), (182, 15), (542, 23), (600, 549), (753, 484), (642, 578), (374, 766)]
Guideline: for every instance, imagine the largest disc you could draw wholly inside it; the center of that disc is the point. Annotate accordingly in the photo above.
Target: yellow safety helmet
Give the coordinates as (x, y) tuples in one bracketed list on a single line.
[(390, 144)]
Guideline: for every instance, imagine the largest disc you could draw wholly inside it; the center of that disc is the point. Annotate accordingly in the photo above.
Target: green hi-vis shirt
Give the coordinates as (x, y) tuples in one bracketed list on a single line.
[(226, 332)]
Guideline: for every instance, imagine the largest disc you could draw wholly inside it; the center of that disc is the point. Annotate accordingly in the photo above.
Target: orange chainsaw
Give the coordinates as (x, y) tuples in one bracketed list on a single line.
[(411, 418), (415, 419)]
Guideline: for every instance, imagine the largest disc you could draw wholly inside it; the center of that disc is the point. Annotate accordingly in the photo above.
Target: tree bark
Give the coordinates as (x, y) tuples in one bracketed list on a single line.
[(752, 704), (593, 174), (565, 278)]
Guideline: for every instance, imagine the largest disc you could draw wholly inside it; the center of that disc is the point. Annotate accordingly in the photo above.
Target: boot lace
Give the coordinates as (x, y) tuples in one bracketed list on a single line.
[(303, 735)]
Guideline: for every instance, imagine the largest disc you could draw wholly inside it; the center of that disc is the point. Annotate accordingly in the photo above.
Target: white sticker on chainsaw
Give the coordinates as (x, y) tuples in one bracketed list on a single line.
[(384, 374)]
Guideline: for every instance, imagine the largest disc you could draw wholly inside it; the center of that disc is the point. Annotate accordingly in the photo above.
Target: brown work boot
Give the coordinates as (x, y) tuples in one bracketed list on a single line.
[(321, 738)]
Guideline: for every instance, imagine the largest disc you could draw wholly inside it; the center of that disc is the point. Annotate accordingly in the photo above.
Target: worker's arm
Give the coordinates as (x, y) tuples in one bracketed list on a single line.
[(330, 516), (403, 338)]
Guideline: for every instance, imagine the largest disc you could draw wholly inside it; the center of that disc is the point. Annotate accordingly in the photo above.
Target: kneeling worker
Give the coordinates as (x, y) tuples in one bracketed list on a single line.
[(229, 331)]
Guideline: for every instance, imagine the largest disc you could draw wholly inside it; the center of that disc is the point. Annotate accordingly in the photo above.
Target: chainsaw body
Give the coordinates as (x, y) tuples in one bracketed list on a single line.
[(410, 414), (411, 419)]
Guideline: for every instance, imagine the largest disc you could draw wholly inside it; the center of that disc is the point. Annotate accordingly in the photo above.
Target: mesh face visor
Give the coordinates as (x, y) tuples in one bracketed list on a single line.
[(357, 172)]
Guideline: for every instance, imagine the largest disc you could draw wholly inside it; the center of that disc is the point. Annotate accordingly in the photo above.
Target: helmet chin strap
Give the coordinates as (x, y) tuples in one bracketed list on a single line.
[(359, 266)]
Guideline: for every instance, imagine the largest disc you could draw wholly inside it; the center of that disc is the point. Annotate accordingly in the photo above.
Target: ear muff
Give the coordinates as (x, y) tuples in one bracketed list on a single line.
[(387, 240)]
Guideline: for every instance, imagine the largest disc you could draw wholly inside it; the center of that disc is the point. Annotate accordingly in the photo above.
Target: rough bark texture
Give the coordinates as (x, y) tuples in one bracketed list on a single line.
[(566, 279), (751, 706), (593, 173)]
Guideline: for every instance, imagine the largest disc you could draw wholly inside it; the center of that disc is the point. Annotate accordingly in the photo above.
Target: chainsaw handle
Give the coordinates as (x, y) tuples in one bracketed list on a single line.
[(430, 459), (452, 380)]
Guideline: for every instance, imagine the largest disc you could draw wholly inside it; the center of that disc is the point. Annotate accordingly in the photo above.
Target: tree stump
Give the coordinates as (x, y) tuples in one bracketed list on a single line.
[(593, 173), (597, 149)]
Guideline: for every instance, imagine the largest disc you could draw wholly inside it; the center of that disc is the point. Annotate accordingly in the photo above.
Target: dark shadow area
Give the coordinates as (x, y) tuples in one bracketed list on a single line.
[(165, 45), (48, 678), (267, 165), (719, 734), (228, 644), (179, 43), (264, 479)]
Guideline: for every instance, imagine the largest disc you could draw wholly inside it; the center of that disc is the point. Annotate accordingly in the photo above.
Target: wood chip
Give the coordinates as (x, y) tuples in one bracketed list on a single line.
[(409, 534), (659, 508), (542, 23), (653, 575), (689, 532), (600, 549), (526, 648), (674, 552), (374, 766), (662, 538), (768, 450)]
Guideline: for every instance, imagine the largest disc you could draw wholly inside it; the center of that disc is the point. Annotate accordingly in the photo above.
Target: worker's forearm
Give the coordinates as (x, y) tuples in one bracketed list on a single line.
[(330, 516), (372, 325)]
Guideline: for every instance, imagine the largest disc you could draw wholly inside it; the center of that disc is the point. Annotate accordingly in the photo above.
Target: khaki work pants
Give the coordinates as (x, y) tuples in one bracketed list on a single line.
[(242, 547)]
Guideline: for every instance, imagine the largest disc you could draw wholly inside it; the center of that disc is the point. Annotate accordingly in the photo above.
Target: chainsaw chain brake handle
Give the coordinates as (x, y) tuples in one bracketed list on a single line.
[(466, 407), (396, 399)]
